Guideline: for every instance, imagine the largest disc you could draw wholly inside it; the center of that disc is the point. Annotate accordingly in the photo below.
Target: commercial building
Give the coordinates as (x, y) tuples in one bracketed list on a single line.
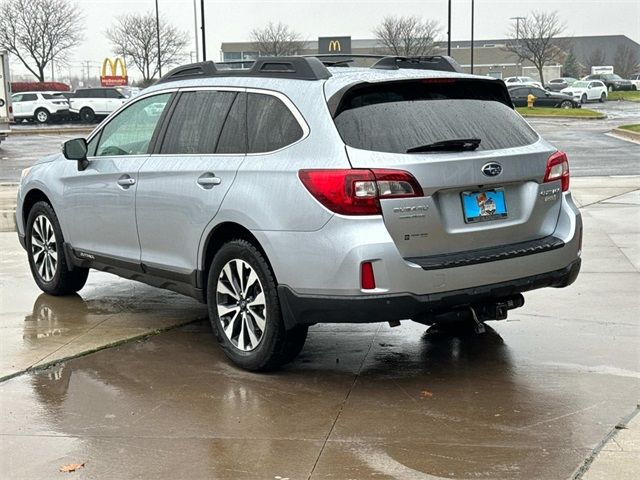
[(490, 56)]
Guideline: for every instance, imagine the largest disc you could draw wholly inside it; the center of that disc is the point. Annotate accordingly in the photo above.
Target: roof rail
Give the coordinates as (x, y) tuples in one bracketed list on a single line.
[(432, 62), (297, 68)]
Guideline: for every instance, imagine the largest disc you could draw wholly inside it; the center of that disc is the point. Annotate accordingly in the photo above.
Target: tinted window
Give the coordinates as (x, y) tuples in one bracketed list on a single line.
[(16, 98), (197, 121), (538, 92), (233, 138), (270, 124), (518, 92), (112, 94), (130, 132), (29, 97), (402, 115), (53, 96)]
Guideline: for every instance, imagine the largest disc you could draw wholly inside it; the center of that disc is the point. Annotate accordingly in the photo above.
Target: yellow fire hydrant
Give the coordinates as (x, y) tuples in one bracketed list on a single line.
[(530, 100)]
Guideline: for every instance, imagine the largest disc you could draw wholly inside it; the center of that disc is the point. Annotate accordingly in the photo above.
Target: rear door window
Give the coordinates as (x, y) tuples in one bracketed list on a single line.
[(397, 116), (270, 124), (196, 122), (233, 138)]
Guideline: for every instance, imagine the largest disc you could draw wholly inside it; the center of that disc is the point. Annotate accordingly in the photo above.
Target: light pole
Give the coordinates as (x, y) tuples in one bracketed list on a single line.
[(158, 39), (195, 26), (472, 10), (517, 19), (449, 30), (204, 40)]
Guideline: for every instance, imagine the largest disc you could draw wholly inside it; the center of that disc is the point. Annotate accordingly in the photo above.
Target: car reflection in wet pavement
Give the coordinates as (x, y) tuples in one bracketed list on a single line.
[(361, 401)]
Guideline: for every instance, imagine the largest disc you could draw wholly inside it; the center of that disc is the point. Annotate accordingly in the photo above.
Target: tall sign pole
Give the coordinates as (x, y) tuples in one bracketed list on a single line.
[(158, 39), (449, 31), (517, 19), (195, 27), (472, 10), (204, 38)]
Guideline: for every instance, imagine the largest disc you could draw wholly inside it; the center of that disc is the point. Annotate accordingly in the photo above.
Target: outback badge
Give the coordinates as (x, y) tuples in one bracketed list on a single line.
[(492, 169)]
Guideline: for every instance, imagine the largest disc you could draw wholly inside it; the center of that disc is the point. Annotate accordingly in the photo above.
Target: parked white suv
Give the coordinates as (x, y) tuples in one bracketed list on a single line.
[(587, 90), (89, 103), (39, 106), (635, 80)]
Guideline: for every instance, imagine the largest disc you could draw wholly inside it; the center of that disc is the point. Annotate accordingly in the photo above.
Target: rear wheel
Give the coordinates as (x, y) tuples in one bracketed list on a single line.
[(244, 309), (42, 116), (47, 259), (583, 99), (87, 115), (603, 97), (566, 104)]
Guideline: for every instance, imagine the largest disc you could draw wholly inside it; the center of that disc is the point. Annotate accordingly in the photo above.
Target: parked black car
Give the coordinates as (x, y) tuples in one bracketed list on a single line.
[(558, 84), (544, 98), (612, 81)]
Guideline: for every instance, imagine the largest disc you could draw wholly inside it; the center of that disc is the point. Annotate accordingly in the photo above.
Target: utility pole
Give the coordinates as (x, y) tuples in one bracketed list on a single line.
[(449, 31), (472, 11), (204, 38), (158, 38), (517, 19), (195, 26)]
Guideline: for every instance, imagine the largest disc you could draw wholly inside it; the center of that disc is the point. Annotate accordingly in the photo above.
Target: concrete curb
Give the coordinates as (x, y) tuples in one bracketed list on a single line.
[(49, 131), (599, 117), (626, 134)]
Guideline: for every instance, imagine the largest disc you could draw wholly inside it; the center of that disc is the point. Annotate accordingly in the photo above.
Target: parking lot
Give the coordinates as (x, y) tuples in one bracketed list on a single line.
[(531, 398)]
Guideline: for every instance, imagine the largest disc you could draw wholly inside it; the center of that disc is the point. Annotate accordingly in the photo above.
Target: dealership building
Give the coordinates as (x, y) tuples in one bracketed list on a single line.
[(490, 56)]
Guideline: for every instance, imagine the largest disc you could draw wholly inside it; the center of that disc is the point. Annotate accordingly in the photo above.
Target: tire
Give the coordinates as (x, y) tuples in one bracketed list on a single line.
[(248, 323), (87, 115), (47, 259), (610, 88), (566, 104), (583, 99), (42, 116), (603, 97)]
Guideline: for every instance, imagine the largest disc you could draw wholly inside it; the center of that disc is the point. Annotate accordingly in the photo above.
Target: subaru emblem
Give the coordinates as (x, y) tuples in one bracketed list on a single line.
[(492, 169)]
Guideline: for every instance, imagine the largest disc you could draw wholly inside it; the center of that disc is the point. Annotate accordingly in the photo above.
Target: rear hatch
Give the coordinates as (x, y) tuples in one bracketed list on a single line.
[(476, 195)]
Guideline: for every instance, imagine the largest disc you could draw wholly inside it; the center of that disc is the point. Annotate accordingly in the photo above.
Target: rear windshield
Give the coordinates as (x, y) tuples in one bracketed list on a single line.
[(53, 96), (399, 116)]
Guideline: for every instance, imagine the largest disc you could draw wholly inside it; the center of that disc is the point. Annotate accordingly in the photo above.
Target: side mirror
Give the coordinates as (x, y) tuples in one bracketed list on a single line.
[(76, 149)]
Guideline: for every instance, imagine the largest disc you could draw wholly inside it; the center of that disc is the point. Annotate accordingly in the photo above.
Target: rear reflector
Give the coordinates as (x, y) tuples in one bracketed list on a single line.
[(558, 169), (367, 280), (358, 191)]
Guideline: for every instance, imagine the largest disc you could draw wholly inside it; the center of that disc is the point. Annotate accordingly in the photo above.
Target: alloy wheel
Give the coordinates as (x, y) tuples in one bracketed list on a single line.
[(241, 305), (42, 117), (44, 250)]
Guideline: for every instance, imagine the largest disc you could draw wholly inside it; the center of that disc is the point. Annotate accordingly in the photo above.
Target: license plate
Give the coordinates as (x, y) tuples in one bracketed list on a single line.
[(484, 206)]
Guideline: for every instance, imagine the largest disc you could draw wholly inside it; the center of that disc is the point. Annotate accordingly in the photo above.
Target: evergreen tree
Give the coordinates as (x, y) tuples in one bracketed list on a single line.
[(571, 68)]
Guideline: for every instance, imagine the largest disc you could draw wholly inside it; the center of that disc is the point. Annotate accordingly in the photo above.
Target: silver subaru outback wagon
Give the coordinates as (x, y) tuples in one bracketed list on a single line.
[(292, 193)]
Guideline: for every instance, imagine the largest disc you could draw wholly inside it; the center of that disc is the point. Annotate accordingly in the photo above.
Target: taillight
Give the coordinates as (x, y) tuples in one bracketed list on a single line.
[(358, 191), (558, 169)]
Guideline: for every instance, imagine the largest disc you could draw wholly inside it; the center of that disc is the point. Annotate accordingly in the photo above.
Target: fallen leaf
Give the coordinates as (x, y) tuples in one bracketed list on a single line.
[(426, 394), (72, 467)]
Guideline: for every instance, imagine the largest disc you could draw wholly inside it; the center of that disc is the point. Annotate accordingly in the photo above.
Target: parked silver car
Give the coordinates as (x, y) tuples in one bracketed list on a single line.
[(291, 194)]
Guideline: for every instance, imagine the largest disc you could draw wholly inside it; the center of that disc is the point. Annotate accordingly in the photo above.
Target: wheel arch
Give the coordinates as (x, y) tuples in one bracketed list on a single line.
[(220, 235), (32, 197)]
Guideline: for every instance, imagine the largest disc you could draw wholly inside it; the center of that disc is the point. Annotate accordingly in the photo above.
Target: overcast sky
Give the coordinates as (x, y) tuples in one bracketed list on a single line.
[(232, 21)]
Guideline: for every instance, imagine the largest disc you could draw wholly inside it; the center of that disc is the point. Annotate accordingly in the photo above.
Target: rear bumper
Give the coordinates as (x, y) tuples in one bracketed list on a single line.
[(310, 309)]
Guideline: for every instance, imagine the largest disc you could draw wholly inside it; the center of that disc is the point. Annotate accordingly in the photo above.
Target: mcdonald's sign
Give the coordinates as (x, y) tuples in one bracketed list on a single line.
[(114, 80), (334, 45)]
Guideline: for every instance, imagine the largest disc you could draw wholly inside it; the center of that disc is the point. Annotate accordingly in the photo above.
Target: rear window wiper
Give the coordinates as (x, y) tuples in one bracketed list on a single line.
[(454, 145)]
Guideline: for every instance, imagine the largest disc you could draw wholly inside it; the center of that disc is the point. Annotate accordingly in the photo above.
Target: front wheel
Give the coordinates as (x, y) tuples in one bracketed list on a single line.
[(47, 259), (566, 104), (244, 309), (603, 97)]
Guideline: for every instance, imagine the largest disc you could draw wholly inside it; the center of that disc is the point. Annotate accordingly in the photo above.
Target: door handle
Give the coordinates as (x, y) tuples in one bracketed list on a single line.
[(126, 181), (209, 180)]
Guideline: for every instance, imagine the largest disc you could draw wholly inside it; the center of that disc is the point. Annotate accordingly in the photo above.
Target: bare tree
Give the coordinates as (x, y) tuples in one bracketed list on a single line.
[(407, 36), (38, 32), (596, 57), (276, 39), (134, 37), (536, 40), (626, 61)]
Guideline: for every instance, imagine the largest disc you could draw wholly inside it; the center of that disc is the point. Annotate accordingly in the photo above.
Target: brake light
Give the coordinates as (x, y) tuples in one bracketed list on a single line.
[(367, 279), (10, 108), (358, 191), (558, 169)]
